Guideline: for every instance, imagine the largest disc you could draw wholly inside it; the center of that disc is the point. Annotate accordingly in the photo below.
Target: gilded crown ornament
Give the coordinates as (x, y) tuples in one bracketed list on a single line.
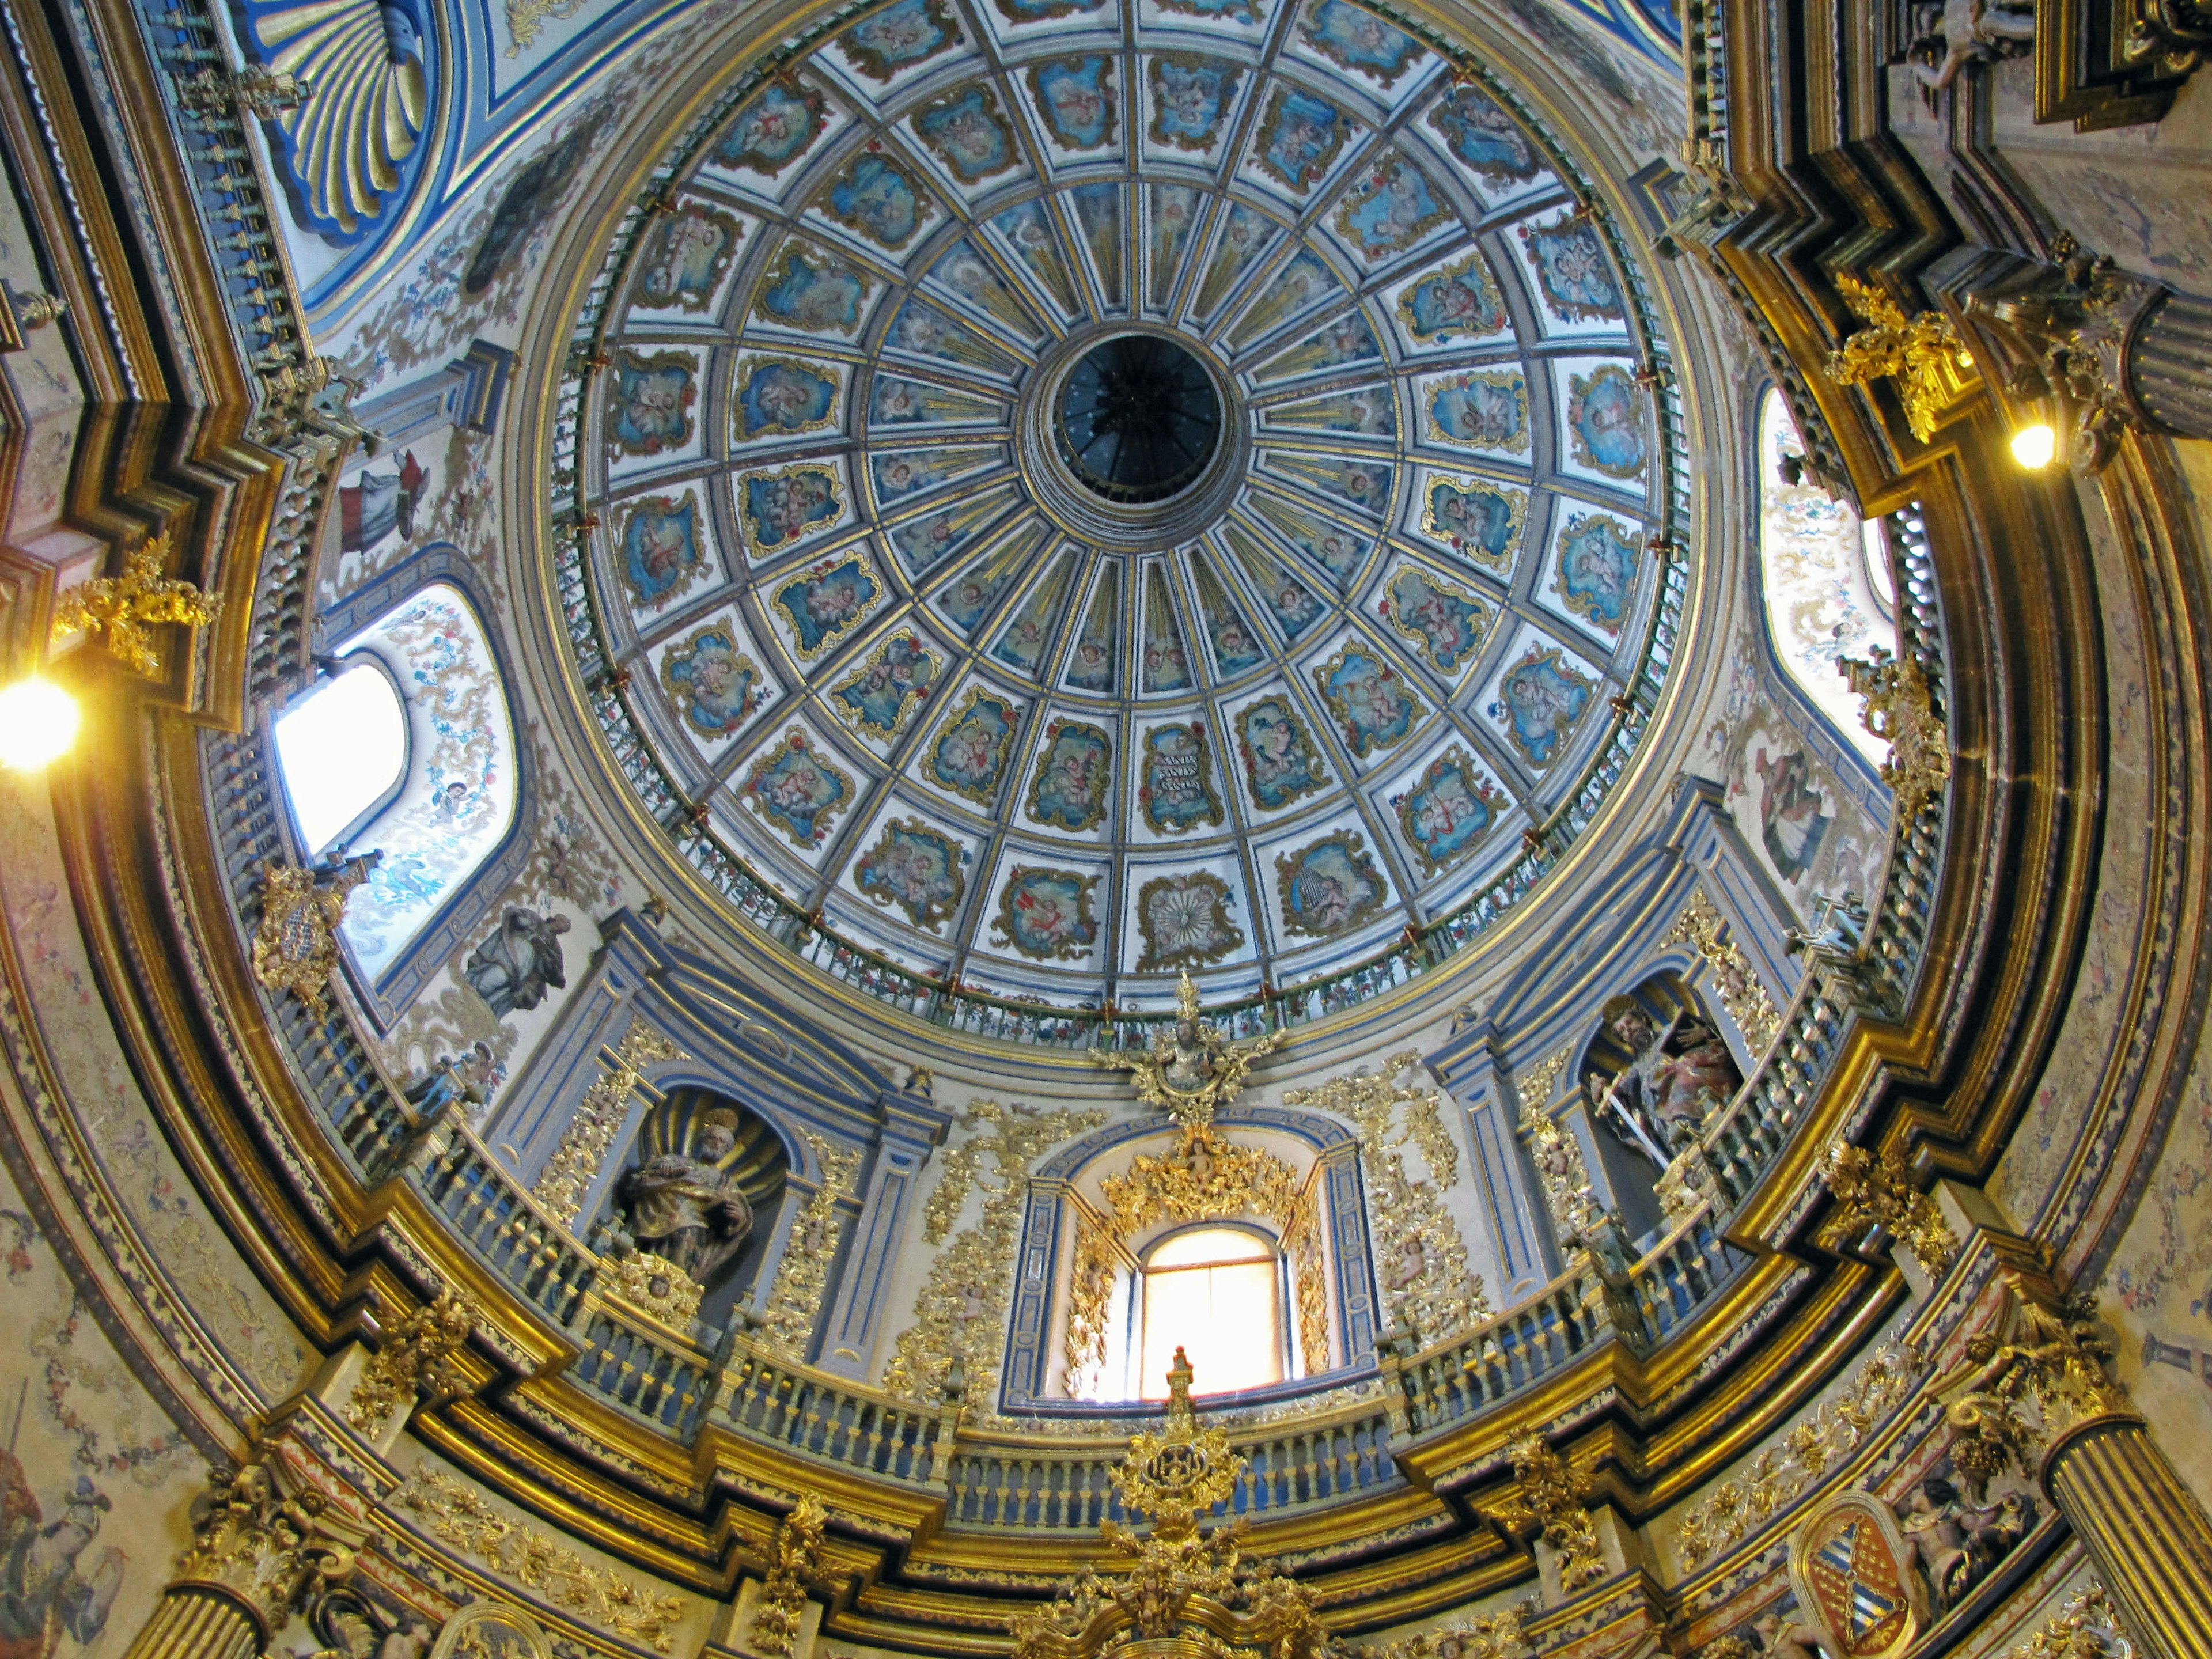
[(1192, 1070)]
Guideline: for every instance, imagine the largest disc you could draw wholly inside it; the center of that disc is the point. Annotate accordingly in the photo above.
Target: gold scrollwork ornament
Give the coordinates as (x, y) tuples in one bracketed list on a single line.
[(1877, 1189), (295, 948), (1932, 369), (128, 607), (1192, 1069)]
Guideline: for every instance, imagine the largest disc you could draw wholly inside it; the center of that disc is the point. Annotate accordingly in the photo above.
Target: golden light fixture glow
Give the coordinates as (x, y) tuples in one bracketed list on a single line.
[(2036, 445), (38, 723)]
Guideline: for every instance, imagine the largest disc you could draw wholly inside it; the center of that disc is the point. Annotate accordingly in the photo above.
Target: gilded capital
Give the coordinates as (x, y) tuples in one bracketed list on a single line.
[(265, 1549)]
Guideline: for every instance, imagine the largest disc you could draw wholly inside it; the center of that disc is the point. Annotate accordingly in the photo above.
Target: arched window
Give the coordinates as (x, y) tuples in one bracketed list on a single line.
[(409, 751), (1217, 1293), (1825, 577)]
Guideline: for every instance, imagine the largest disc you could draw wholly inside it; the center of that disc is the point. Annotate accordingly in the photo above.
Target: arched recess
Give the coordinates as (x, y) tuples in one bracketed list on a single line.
[(454, 829), (1101, 1204)]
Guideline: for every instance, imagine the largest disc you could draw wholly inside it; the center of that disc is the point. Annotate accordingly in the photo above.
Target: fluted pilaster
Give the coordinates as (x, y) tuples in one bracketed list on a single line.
[(198, 1621), (2149, 1537)]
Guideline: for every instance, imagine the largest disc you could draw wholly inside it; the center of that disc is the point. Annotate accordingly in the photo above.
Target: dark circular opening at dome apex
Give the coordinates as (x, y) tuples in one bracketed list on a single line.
[(1139, 419)]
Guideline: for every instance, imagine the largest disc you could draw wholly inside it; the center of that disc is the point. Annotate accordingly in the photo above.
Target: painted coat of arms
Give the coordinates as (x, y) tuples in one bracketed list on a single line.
[(1538, 700), (714, 684), (1482, 410), (1355, 39), (660, 553), (814, 295), (1188, 97), (1597, 568), (649, 406), (1300, 137), (1184, 922), (1078, 100), (968, 133), (877, 695), (1046, 914), (783, 396), (1482, 134), (773, 130), (1605, 416), (1460, 299), (1572, 269), (1448, 811), (1446, 622), (828, 599), (1478, 519), (1851, 1567), (1177, 791), (917, 868), (1374, 707), (901, 34), (1330, 887), (1393, 208), (798, 790), (1069, 791), (877, 198), (969, 755), (1280, 763), (782, 506), (685, 260)]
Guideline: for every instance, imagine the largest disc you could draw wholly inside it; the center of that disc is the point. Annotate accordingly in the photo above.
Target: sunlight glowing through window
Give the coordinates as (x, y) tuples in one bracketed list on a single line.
[(1216, 1293), (341, 751)]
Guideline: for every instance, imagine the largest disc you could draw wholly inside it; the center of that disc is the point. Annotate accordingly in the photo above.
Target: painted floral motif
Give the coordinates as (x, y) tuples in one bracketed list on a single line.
[(1538, 700), (1354, 39), (716, 687), (1300, 137), (973, 747), (1374, 707), (1446, 624), (1328, 888), (782, 506), (812, 294), (1177, 791), (1076, 97), (1460, 299), (1448, 811), (899, 35), (784, 396), (649, 409), (1597, 568), (772, 131), (828, 601), (1039, 11), (1391, 208), (1481, 409), (1572, 269), (876, 695), (1478, 519), (1184, 922), (876, 197), (1046, 914), (1280, 763), (917, 868), (1189, 95), (686, 258), (1069, 791), (1605, 417), (660, 553), (1482, 134), (968, 133), (798, 790)]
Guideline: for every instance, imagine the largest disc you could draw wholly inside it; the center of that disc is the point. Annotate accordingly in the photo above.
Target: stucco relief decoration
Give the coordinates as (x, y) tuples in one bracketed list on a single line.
[(1420, 1257), (794, 1302), (793, 1561), (1852, 1570), (1191, 1069), (1552, 1499), (415, 1359), (1897, 707), (1701, 927), (577, 1162), (128, 607), (960, 1316), (1476, 1636), (268, 1546), (1877, 1189)]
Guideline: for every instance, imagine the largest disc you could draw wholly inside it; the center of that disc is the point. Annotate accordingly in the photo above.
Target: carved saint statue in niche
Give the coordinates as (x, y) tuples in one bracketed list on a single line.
[(1674, 1080), (683, 1208)]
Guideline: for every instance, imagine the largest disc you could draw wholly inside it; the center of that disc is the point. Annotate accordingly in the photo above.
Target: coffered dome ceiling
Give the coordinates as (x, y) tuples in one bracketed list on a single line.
[(1124, 488)]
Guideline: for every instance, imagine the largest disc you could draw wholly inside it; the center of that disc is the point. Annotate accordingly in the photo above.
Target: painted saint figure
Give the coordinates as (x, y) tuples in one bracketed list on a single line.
[(512, 969)]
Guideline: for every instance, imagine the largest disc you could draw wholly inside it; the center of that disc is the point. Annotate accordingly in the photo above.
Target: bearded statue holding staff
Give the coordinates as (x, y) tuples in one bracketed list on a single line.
[(684, 1207)]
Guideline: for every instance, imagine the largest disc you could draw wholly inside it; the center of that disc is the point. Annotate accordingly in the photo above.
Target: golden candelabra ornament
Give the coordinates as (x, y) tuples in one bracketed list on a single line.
[(1923, 355), (1192, 1070), (127, 608)]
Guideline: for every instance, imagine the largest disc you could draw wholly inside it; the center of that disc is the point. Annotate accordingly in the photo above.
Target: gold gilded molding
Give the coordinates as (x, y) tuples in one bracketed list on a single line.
[(577, 1162), (1701, 927), (1896, 707), (1479, 1635), (794, 1302), (2087, 1627), (1190, 1070), (2055, 1359), (1557, 1152), (654, 1285), (417, 1359), (266, 1549), (1932, 369), (295, 948), (1552, 1499), (1876, 1189), (458, 1515), (793, 1561), (129, 607), (1782, 1472)]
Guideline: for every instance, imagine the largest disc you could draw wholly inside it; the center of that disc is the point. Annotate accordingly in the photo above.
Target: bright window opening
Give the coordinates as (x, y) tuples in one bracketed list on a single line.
[(1216, 1292), (342, 751)]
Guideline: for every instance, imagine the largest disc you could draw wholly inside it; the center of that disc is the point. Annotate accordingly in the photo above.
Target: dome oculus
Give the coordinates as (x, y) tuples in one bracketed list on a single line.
[(1139, 419)]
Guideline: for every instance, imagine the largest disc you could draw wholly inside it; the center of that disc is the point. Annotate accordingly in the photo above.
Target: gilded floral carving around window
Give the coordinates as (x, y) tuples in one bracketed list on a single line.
[(577, 1162), (786, 1323), (1701, 927), (1090, 1302), (954, 1180), (960, 1316), (1420, 1256)]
